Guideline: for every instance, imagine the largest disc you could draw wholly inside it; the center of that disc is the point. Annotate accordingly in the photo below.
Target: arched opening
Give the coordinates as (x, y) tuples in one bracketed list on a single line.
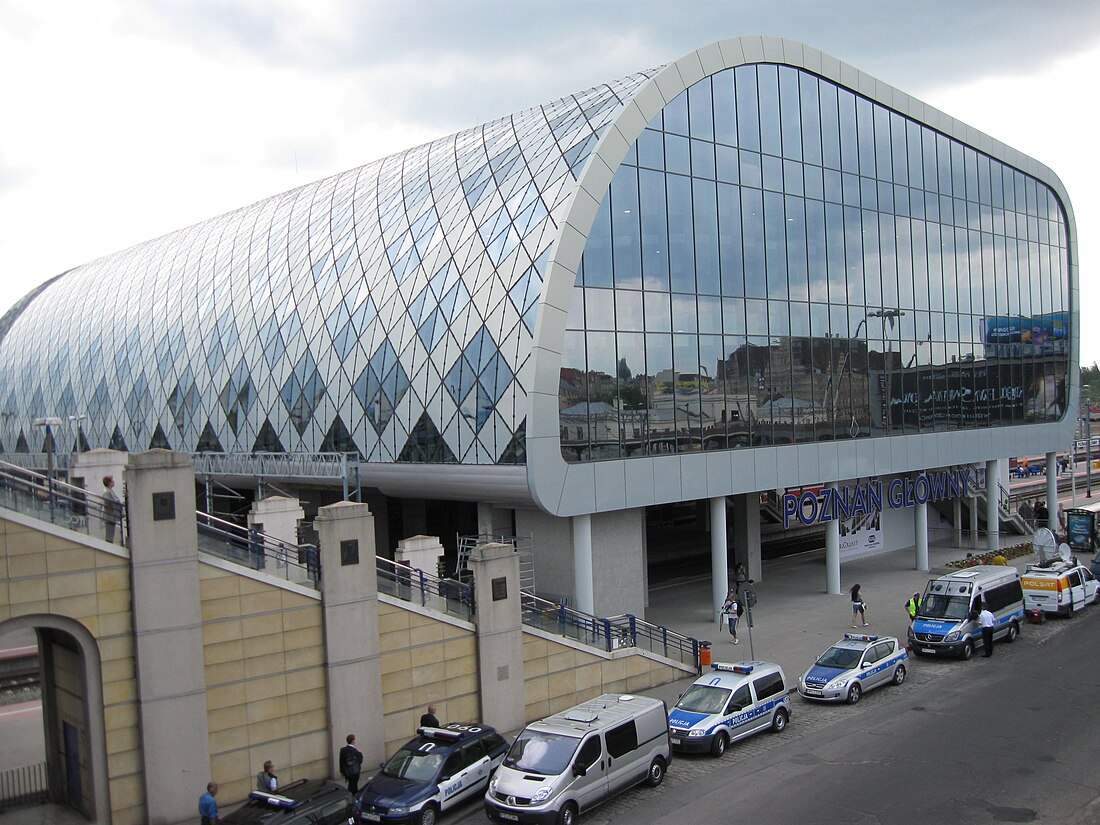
[(67, 732)]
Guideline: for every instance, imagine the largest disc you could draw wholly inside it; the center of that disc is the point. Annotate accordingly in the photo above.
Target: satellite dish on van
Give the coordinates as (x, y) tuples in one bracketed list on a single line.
[(1064, 553), (1045, 545)]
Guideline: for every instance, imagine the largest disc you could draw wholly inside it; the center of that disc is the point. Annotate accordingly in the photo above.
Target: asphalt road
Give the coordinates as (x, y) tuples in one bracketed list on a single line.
[(1011, 738)]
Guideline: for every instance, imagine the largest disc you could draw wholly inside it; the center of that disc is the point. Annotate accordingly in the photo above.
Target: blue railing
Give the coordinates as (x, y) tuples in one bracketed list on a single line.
[(609, 633), (50, 499), (413, 585), (294, 562)]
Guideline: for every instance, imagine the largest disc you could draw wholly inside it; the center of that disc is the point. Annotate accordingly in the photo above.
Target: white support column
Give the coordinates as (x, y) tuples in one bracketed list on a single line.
[(719, 564), (1052, 493), (832, 554), (582, 563), (957, 520), (992, 505), (920, 536)]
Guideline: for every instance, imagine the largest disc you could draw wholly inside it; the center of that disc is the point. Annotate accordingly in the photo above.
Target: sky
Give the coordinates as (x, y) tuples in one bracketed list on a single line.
[(122, 120)]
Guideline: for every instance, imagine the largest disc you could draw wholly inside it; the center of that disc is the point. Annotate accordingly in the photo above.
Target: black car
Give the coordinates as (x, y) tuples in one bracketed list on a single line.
[(438, 769), (305, 802)]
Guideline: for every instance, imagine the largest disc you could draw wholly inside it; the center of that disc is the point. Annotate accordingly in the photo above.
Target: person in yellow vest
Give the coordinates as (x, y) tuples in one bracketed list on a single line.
[(912, 606)]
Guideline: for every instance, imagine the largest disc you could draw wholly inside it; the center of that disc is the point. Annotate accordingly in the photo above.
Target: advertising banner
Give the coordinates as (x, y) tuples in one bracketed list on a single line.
[(1081, 527)]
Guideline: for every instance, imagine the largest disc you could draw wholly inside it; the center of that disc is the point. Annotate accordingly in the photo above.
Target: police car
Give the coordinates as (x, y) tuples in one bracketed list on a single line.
[(438, 769), (729, 703), (853, 665), (319, 801)]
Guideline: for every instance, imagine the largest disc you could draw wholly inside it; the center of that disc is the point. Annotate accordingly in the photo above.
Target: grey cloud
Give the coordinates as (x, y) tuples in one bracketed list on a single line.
[(472, 61)]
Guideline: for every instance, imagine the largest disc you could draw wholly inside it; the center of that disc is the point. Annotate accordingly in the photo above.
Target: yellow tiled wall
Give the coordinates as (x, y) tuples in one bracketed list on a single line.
[(41, 573), (425, 660), (558, 676), (265, 681)]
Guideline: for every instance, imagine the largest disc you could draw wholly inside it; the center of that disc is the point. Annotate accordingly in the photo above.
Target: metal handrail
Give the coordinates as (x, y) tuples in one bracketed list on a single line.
[(608, 633), (58, 502), (250, 547), (412, 584)]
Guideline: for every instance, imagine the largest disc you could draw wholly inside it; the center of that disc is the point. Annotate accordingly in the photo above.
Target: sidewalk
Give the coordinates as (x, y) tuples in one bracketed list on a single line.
[(794, 619)]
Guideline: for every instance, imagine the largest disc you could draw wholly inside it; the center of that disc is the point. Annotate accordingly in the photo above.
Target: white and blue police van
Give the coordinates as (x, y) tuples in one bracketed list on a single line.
[(947, 621), (729, 703), (852, 666)]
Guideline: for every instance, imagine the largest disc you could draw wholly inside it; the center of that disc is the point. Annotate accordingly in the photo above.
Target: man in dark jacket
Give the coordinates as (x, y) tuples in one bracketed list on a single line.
[(429, 720), (351, 763)]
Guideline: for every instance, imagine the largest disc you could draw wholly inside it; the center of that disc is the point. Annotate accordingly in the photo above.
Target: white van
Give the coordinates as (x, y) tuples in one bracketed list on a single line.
[(729, 703), (947, 619), (574, 760), (1060, 587)]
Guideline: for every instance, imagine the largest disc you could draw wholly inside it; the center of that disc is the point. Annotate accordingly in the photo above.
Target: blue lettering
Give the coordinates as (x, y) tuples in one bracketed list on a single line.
[(790, 505), (843, 505), (920, 490), (895, 494), (807, 498), (938, 484), (874, 493)]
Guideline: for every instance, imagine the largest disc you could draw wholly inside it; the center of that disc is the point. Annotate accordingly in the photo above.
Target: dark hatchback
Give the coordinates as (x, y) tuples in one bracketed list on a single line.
[(440, 768), (305, 802)]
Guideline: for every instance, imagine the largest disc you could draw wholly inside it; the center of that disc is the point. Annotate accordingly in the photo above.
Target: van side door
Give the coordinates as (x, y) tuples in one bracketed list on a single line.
[(738, 712), (590, 789), (765, 690), (622, 757), (1076, 589), (471, 776)]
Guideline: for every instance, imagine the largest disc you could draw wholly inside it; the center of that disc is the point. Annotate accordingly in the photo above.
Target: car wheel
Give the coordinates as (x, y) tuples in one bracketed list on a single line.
[(779, 721), (427, 815), (656, 772), (968, 650), (1013, 632), (899, 675), (854, 693), (718, 746), (568, 814)]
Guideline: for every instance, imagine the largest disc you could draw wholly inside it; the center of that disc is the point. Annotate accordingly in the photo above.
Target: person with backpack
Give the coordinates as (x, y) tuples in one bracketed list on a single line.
[(732, 610), (351, 763)]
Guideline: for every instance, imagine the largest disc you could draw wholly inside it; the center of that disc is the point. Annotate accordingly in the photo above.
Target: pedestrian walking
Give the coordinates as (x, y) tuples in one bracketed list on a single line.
[(429, 720), (208, 805), (266, 780), (1042, 515), (1061, 518), (112, 509), (731, 609), (1026, 513), (985, 619), (351, 763), (859, 606)]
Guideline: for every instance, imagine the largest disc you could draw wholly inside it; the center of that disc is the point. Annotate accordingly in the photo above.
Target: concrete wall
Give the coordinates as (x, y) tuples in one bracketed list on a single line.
[(426, 659), (46, 573), (263, 655), (558, 674)]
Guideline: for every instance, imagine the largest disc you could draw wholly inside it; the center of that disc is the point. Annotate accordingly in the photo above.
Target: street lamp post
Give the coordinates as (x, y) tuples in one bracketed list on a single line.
[(1088, 447)]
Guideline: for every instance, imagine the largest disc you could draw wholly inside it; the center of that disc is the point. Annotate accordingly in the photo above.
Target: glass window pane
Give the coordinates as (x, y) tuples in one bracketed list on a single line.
[(767, 78), (748, 119)]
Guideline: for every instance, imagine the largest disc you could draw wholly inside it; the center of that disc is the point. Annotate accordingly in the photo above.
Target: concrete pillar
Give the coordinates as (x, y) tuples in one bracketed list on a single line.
[(992, 508), (832, 554), (957, 521), (167, 615), (499, 635), (1052, 493), (421, 553), (719, 564), (277, 517), (746, 534), (582, 563), (349, 582), (920, 536), (974, 521)]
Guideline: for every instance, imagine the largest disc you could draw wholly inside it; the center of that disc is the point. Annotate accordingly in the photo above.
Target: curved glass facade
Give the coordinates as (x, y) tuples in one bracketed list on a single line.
[(779, 260)]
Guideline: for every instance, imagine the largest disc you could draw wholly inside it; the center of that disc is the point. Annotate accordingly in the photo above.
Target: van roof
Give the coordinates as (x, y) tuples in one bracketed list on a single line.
[(599, 712), (982, 573)]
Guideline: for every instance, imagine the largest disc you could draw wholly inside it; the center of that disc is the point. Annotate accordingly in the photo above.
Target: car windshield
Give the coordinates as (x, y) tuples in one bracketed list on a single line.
[(842, 657), (704, 699), (939, 606), (537, 752), (416, 766)]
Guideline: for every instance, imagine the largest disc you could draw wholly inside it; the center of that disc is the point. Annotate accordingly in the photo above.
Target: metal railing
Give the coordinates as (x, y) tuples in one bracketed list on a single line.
[(21, 787), (610, 633), (50, 499), (299, 563), (411, 584)]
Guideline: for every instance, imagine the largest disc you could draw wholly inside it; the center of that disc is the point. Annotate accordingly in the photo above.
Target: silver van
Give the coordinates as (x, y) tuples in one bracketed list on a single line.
[(946, 620), (574, 760)]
